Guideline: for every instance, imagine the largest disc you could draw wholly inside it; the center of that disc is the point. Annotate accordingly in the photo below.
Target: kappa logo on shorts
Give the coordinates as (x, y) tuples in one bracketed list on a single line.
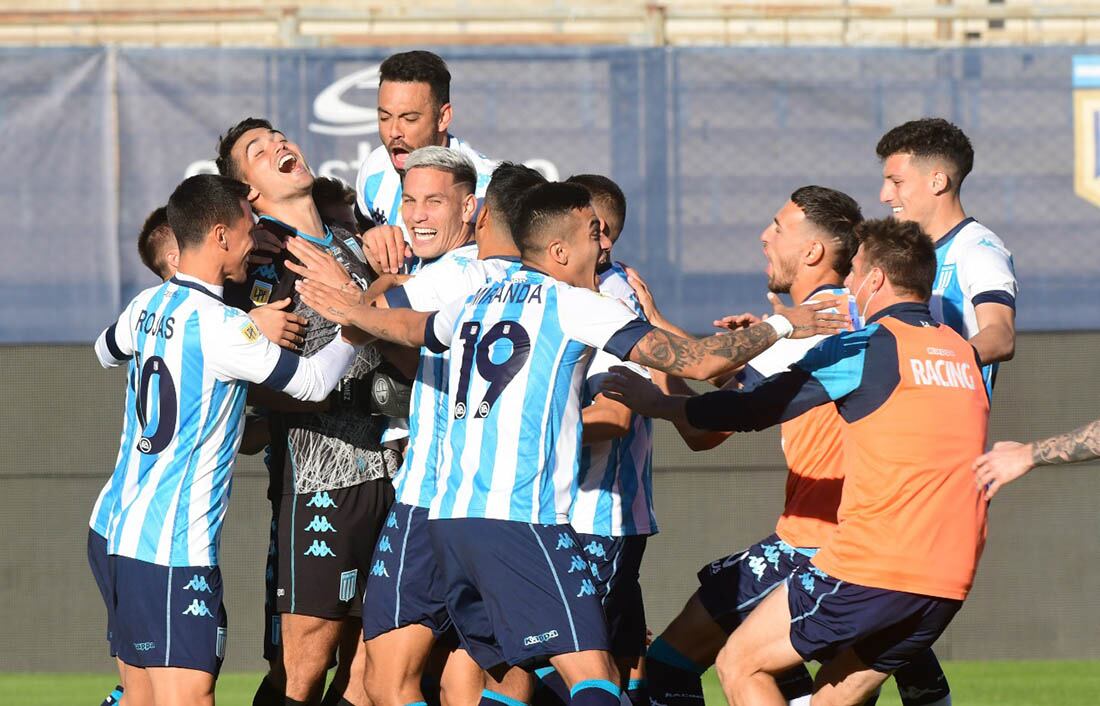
[(539, 639), (347, 584), (577, 563), (379, 569), (321, 499), (565, 542), (587, 588), (198, 583), (219, 646), (596, 549), (198, 609), (320, 523), (758, 566), (319, 548), (145, 646), (384, 545), (391, 521)]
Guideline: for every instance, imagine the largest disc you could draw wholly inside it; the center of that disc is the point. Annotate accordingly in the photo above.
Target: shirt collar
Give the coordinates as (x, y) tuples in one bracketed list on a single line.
[(953, 232), (197, 284), (915, 313), (321, 242)]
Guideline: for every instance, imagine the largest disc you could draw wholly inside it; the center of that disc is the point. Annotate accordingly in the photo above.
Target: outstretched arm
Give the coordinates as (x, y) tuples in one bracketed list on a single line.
[(402, 326), (1009, 460)]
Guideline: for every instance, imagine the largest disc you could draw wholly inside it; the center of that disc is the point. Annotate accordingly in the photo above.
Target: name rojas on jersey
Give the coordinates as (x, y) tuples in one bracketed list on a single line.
[(455, 274), (615, 478), (190, 357), (519, 353), (378, 185)]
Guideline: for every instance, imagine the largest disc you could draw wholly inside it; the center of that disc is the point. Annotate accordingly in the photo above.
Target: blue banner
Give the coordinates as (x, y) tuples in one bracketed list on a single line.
[(706, 143)]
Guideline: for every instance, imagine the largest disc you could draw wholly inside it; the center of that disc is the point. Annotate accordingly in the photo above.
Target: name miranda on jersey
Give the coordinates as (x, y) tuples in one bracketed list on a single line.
[(152, 326), (508, 293)]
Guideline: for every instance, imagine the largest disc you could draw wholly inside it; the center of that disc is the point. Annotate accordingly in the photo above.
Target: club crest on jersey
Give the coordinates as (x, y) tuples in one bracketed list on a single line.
[(1086, 127), (261, 293), (250, 332)]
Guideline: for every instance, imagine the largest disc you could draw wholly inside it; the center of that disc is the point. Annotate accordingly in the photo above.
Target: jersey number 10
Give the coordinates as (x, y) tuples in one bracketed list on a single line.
[(498, 375), (166, 406)]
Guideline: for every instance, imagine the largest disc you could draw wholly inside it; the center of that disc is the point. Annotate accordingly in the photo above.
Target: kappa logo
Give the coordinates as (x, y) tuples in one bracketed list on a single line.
[(347, 584), (587, 588), (320, 523), (319, 548), (198, 609), (198, 583), (596, 549), (145, 646), (758, 566), (379, 569), (321, 499), (565, 541), (391, 521), (539, 639), (577, 563), (384, 545)]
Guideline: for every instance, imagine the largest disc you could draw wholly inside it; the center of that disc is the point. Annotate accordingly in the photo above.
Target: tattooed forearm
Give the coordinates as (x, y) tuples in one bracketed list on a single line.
[(1078, 445), (705, 357)]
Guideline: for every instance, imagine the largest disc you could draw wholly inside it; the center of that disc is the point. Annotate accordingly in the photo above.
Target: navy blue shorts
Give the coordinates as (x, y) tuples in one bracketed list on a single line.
[(103, 571), (273, 624), (885, 628), (518, 593), (617, 564), (732, 586), (404, 585), (169, 616)]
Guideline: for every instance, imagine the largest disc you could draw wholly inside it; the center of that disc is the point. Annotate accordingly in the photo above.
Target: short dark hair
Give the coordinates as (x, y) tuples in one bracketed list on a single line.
[(419, 66), (152, 238), (330, 190), (541, 207), (836, 214), (227, 166), (930, 138), (505, 191), (605, 190), (902, 251), (201, 202)]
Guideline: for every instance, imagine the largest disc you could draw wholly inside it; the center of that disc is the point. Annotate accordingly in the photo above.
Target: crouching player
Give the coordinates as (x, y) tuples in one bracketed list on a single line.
[(911, 523)]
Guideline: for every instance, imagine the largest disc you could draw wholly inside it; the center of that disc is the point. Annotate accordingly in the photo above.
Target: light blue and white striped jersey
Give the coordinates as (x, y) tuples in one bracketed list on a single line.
[(378, 185), (615, 479), (457, 274), (519, 351), (190, 359), (973, 266)]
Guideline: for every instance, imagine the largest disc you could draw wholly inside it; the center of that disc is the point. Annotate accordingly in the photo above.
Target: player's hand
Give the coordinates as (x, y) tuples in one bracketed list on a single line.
[(737, 321), (631, 389), (1005, 463), (810, 319), (386, 249), (280, 326), (331, 303), (265, 245), (317, 264), (645, 297)]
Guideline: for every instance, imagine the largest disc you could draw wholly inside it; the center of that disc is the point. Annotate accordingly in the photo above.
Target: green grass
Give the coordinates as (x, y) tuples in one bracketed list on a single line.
[(973, 684)]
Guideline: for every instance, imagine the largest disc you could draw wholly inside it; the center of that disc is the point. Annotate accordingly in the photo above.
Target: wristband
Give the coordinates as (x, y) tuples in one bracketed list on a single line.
[(782, 325)]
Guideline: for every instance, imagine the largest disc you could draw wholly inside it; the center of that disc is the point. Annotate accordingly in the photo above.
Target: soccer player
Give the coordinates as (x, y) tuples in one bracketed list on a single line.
[(517, 588), (911, 524), (1010, 459), (189, 357), (406, 613), (808, 247), (414, 110), (924, 163), (330, 472)]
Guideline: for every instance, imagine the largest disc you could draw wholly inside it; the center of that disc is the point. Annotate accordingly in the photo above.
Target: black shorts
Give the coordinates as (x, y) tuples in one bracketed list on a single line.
[(324, 546), (617, 564)]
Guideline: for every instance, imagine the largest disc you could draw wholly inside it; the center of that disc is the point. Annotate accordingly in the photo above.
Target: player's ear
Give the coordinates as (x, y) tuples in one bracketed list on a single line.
[(558, 252), (815, 252), (481, 221), (941, 182), (221, 236), (172, 257), (469, 208), (253, 194), (444, 120)]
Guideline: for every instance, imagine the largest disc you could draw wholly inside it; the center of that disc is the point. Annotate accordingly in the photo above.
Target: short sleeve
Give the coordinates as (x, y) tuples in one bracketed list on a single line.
[(986, 274), (600, 321), (439, 329), (600, 367), (116, 344), (235, 349)]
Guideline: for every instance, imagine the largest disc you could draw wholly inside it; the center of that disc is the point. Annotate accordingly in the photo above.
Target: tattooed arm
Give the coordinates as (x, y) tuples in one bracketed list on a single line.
[(1009, 460), (704, 358)]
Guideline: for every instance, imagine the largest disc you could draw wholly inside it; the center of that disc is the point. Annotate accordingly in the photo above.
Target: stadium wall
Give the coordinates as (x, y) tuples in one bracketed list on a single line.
[(707, 144), (1037, 594)]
